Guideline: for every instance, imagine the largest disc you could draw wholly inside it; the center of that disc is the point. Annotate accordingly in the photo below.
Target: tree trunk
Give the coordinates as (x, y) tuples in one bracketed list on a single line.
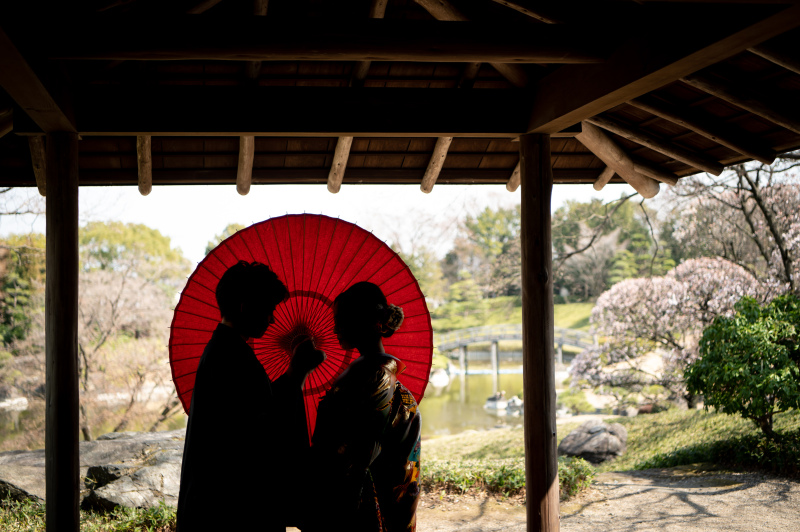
[(85, 430)]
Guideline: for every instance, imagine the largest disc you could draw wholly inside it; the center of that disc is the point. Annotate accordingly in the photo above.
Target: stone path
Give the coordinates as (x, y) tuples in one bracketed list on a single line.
[(668, 500)]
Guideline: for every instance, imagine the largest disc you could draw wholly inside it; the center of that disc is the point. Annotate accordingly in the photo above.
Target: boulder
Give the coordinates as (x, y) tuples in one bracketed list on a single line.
[(135, 469), (595, 441)]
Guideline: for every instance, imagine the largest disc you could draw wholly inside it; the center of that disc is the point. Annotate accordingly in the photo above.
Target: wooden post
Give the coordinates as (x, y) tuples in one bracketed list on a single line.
[(495, 368), (61, 334), (539, 387)]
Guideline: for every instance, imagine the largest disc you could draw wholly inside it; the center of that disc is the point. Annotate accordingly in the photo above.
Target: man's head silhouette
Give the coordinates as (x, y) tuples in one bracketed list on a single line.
[(247, 296)]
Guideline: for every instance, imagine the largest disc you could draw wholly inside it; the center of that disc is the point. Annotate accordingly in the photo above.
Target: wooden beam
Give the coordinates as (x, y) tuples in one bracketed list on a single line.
[(61, 335), (708, 126), (144, 163), (514, 180), (202, 6), (21, 177), (244, 172), (302, 111), (538, 365), (443, 10), (340, 156), (435, 164), (610, 153), (253, 68), (6, 121), (24, 86), (530, 11), (192, 38), (783, 54), (604, 178), (377, 9), (639, 136), (654, 56), (748, 99), (39, 162)]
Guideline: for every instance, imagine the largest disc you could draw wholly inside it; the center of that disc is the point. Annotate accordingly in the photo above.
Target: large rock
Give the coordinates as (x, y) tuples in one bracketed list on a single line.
[(136, 469), (595, 441)]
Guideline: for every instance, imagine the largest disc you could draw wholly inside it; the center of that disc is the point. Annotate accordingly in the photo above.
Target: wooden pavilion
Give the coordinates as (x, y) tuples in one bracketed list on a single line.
[(148, 92)]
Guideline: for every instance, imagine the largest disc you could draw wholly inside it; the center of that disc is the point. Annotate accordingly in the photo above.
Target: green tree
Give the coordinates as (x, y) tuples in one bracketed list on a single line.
[(750, 363), (229, 231), (428, 272), (22, 262)]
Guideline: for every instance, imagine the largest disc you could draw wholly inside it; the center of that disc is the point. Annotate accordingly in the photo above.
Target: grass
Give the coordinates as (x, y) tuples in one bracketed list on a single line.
[(506, 309), (494, 460), (573, 315), (29, 516)]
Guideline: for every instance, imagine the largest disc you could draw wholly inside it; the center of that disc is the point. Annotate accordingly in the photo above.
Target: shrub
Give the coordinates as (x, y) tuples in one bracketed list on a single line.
[(780, 455), (506, 477), (750, 364)]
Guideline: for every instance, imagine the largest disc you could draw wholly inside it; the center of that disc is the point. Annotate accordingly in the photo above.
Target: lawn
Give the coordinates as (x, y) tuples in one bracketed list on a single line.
[(670, 438), (507, 309)]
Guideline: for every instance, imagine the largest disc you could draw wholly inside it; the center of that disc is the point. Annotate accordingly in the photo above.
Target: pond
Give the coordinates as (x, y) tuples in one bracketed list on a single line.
[(459, 406)]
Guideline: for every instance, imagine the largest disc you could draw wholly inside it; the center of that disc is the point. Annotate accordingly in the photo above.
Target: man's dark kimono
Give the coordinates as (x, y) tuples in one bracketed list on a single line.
[(234, 441)]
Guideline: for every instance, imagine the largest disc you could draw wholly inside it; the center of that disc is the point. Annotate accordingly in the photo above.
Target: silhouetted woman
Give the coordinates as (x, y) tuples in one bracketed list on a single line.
[(366, 445)]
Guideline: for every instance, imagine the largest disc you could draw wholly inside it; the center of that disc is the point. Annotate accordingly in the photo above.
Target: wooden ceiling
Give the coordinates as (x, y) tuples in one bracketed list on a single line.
[(396, 91)]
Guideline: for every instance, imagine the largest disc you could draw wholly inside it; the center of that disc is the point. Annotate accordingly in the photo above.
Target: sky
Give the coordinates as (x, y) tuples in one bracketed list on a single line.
[(193, 215)]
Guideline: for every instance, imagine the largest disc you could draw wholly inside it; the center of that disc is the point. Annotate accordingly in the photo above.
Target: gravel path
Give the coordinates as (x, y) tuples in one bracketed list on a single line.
[(667, 500)]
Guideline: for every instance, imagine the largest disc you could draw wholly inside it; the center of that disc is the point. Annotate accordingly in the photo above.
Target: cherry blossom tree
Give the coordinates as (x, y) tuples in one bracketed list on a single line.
[(664, 316), (749, 216)]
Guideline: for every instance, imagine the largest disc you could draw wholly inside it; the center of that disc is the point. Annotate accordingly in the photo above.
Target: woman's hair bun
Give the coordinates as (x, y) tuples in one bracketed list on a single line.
[(393, 321)]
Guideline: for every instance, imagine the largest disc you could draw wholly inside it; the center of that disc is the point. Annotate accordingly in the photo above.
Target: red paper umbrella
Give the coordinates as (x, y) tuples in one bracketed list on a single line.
[(317, 257)]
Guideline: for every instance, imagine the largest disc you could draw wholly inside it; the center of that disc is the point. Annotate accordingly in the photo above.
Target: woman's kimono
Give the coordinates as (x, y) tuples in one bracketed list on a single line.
[(366, 451)]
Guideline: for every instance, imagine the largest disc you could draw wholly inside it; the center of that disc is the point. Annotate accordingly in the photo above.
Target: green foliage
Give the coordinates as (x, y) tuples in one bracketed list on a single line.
[(575, 401), (574, 475), (428, 272), (229, 231), (506, 477), (22, 274), (752, 451), (493, 231), (119, 247), (750, 363), (29, 516), (456, 315)]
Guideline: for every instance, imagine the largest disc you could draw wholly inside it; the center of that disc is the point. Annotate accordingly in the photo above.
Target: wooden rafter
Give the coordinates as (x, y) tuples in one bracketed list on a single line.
[(377, 9), (612, 155), (24, 86), (603, 179), (144, 163), (639, 136), (244, 170), (304, 111), (445, 11), (782, 51), (39, 162), (340, 155), (748, 99), (193, 38), (654, 58), (708, 126), (253, 68), (527, 9), (513, 181), (435, 164), (6, 121)]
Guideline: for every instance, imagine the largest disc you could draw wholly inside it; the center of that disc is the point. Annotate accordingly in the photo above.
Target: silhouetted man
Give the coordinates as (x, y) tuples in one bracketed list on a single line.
[(231, 457)]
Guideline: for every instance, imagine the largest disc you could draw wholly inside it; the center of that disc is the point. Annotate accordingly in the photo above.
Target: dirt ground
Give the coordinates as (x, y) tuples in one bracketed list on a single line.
[(681, 499)]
